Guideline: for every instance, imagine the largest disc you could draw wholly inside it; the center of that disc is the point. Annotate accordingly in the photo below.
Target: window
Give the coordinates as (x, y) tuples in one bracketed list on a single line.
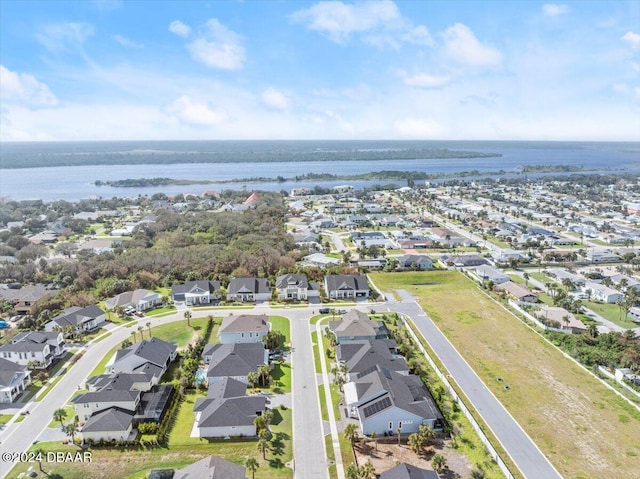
[(399, 424), (33, 355), (390, 425)]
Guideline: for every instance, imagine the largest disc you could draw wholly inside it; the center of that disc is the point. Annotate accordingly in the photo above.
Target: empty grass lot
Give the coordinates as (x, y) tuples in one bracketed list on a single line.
[(582, 427)]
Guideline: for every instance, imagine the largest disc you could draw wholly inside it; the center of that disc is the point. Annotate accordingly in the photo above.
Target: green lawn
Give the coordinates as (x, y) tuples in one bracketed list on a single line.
[(178, 332), (164, 311), (5, 418), (281, 376), (316, 351), (610, 312), (280, 323), (582, 427)]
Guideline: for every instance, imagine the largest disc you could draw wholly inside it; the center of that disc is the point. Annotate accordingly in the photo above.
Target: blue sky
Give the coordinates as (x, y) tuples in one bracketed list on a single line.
[(512, 70)]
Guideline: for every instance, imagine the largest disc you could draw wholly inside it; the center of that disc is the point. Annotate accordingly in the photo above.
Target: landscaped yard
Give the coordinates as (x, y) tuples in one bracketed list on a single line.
[(582, 427), (178, 332), (610, 312), (182, 450)]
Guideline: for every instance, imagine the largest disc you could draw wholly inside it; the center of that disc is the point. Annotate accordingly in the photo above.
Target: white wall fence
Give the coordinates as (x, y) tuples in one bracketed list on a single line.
[(605, 372), (483, 438), (516, 305)]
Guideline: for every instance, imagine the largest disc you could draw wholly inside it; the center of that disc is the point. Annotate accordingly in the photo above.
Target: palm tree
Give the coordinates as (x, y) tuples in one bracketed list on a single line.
[(40, 454), (526, 279), (351, 433), (141, 331), (133, 333), (417, 443), (70, 430), (398, 431), (352, 471), (252, 377), (148, 325), (374, 436), (187, 316), (592, 330), (439, 463), (60, 415), (252, 465), (367, 471), (263, 447)]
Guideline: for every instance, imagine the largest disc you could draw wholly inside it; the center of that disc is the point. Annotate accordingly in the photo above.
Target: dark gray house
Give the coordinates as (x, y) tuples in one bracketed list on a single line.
[(356, 326), (248, 289), (346, 286), (233, 360), (359, 356)]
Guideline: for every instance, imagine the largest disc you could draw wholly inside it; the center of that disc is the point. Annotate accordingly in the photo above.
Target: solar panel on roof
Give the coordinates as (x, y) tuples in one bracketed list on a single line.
[(376, 407)]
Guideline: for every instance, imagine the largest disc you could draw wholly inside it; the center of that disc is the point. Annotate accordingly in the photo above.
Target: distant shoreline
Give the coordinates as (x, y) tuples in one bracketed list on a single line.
[(374, 175)]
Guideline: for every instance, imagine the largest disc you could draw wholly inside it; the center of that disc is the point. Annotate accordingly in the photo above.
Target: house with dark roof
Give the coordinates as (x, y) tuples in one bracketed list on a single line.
[(359, 356), (462, 260), (356, 326), (346, 286), (518, 292), (245, 328), (248, 289), (292, 287), (211, 467), (408, 471), (110, 424), (196, 292), (227, 410), (89, 403), (55, 339), (82, 320), (233, 360), (140, 300), (14, 378), (487, 273), (34, 346), (384, 401), (151, 356)]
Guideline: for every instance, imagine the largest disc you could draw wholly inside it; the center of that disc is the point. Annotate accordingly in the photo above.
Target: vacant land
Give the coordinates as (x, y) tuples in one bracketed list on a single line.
[(585, 429)]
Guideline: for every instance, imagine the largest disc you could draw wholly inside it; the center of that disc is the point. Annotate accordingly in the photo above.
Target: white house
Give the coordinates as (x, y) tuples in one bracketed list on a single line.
[(346, 286), (27, 352), (233, 360), (249, 289), (246, 328), (110, 424), (82, 320), (140, 300), (136, 357), (14, 378), (196, 292), (600, 292), (292, 287)]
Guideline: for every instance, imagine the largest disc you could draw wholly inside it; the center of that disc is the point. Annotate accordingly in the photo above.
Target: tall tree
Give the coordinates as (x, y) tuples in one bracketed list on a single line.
[(148, 325), (187, 316), (263, 446), (60, 415), (252, 464)]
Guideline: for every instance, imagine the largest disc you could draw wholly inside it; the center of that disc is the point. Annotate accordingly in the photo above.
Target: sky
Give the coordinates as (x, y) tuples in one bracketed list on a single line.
[(476, 70)]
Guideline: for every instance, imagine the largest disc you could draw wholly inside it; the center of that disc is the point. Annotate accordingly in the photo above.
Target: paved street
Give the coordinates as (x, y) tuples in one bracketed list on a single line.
[(307, 423), (522, 450)]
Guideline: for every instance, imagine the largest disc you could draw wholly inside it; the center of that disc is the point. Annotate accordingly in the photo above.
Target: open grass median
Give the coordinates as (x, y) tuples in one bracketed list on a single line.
[(581, 426)]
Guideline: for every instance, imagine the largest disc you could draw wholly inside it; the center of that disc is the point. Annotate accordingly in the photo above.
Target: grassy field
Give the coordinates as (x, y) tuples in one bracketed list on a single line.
[(582, 427), (280, 323), (182, 450), (610, 312), (178, 332)]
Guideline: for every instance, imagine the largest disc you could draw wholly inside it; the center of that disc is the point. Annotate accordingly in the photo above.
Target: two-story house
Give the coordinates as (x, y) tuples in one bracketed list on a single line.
[(346, 286), (14, 378), (292, 287), (196, 292), (246, 289), (246, 328), (82, 320)]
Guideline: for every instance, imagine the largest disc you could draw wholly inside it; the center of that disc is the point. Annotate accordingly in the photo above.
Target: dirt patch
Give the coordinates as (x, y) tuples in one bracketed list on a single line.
[(388, 454)]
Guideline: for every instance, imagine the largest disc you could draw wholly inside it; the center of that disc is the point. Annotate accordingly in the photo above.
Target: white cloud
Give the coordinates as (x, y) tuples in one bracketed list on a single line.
[(275, 99), (418, 128), (424, 80), (462, 47), (125, 42), (24, 89), (380, 22), (179, 28), (632, 39), (218, 47), (60, 37), (189, 111), (554, 9)]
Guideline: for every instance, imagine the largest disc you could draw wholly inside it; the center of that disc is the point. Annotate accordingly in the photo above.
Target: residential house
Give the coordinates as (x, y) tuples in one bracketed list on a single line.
[(384, 401), (246, 328), (487, 273), (82, 320), (89, 403), (227, 410), (356, 326), (634, 314), (413, 262), (360, 356), (373, 264), (54, 338), (320, 260), (233, 360), (14, 379), (151, 357), (565, 319), (407, 471), (518, 292), (292, 287), (346, 286), (505, 256), (112, 424), (249, 289), (140, 300), (601, 256), (25, 300), (211, 467), (600, 292), (462, 261), (30, 353), (196, 292)]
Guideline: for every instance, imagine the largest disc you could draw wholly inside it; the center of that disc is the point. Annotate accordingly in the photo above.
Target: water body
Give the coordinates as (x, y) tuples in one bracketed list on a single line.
[(76, 182)]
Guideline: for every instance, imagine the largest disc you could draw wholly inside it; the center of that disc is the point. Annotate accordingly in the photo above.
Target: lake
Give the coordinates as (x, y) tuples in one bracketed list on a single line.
[(76, 182)]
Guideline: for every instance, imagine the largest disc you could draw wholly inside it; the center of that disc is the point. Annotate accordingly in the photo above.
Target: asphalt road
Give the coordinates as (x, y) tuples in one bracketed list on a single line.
[(522, 450), (307, 426)]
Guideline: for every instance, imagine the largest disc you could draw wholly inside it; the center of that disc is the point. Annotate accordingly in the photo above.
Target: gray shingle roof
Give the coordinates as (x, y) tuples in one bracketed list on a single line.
[(362, 355), (300, 280), (190, 286), (211, 467), (356, 323), (249, 285), (154, 350), (8, 371), (76, 315), (234, 359), (106, 395), (346, 282), (407, 471), (245, 322), (238, 411), (112, 419)]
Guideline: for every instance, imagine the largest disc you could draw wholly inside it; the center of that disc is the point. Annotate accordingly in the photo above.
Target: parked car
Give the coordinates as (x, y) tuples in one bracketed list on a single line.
[(324, 310), (4, 325)]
